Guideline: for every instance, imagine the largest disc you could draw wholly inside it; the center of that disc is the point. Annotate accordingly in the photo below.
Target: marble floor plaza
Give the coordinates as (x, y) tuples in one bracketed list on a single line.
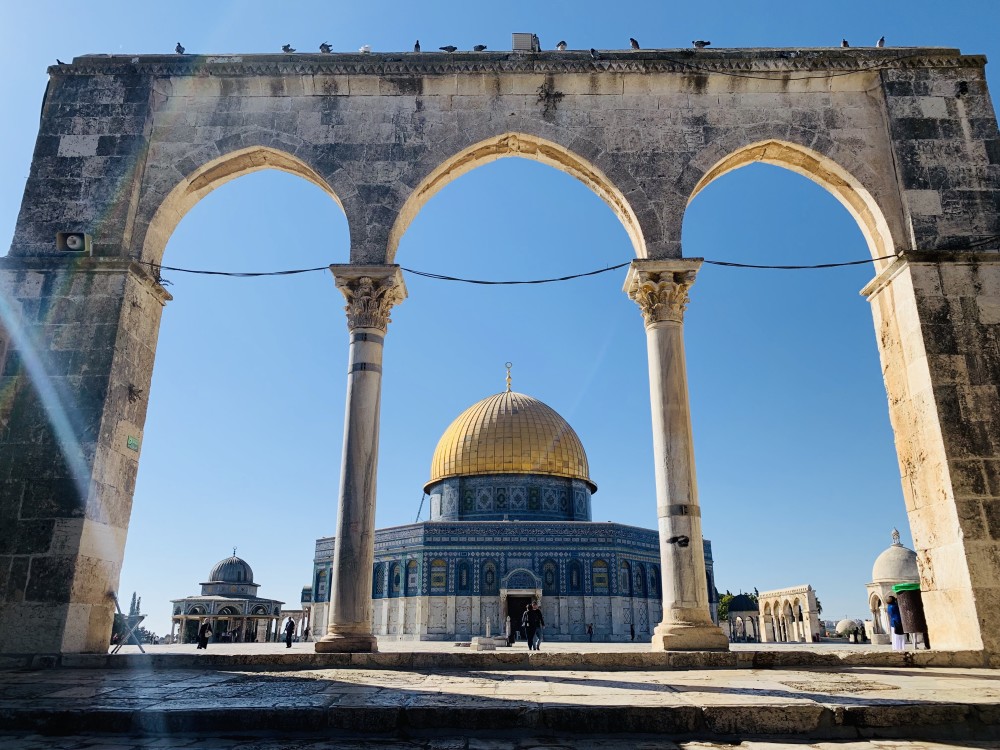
[(165, 699)]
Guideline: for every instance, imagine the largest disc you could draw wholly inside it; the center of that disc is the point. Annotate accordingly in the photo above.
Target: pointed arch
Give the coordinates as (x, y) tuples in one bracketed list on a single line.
[(822, 170), (213, 174), (529, 147)]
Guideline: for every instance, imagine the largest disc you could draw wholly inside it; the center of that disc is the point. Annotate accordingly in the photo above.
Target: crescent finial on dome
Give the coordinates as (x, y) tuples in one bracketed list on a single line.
[(508, 366)]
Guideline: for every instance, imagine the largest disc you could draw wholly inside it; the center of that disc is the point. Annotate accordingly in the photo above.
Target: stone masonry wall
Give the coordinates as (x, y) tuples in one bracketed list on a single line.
[(72, 406)]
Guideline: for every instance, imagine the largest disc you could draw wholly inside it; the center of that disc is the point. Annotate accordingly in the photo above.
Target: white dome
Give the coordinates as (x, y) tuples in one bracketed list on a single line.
[(896, 565), (846, 626)]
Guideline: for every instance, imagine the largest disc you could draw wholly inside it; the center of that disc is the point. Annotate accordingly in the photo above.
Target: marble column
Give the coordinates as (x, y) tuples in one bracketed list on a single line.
[(660, 288), (371, 293)]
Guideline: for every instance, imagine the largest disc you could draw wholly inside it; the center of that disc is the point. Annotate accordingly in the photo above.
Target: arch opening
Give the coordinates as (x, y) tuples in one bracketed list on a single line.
[(212, 175), (525, 146), (822, 170)]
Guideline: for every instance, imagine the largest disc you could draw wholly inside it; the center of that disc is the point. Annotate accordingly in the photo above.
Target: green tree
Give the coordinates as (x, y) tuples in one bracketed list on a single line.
[(724, 605)]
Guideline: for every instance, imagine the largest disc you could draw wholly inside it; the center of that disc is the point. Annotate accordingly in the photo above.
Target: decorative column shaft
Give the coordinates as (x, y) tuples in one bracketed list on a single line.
[(660, 288), (371, 293)]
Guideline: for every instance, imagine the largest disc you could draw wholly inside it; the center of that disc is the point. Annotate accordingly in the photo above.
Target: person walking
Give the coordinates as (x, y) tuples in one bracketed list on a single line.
[(204, 633), (895, 624), (305, 634), (631, 630), (590, 631), (289, 632), (535, 624)]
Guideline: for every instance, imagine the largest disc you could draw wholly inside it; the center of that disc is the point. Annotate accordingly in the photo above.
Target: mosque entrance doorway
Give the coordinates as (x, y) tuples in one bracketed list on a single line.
[(515, 610)]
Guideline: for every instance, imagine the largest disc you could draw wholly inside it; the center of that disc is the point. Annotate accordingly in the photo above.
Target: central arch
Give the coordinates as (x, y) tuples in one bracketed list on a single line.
[(528, 147)]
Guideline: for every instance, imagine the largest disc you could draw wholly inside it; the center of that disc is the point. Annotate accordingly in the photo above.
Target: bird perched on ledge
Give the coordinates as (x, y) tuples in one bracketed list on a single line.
[(594, 54), (633, 42), (325, 48), (479, 48), (448, 48), (700, 43), (561, 46), (880, 42), (416, 46), (844, 43), (287, 48), (179, 49)]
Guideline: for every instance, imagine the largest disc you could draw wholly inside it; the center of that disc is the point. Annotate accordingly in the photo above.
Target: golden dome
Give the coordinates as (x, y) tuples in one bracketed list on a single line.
[(510, 433)]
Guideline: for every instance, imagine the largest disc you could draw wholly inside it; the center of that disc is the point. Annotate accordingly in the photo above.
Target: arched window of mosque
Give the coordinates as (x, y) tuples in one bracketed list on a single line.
[(412, 578), (599, 576), (464, 584), (395, 580), (378, 581), (654, 581), (490, 585), (575, 576), (469, 500), (640, 580), (501, 497), (439, 577), (550, 578), (624, 579)]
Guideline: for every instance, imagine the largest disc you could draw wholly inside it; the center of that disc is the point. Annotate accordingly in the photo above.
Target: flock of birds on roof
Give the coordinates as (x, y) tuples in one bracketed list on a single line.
[(326, 49)]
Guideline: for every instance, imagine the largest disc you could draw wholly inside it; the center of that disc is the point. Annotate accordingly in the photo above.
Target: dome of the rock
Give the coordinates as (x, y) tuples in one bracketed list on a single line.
[(510, 433)]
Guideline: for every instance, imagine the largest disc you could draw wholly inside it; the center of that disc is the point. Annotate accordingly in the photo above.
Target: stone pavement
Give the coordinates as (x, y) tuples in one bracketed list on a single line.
[(846, 703), (93, 742)]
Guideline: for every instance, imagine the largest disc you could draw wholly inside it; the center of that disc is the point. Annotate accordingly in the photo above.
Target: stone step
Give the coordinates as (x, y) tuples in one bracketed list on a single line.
[(501, 659), (376, 718)]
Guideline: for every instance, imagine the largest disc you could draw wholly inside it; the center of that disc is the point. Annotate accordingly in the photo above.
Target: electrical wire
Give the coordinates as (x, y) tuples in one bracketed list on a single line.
[(157, 269)]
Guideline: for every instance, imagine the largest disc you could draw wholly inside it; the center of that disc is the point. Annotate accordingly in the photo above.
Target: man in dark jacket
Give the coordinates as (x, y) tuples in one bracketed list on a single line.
[(535, 623)]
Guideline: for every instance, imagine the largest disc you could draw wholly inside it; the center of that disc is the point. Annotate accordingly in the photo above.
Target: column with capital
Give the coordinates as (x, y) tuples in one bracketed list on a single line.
[(371, 293), (660, 288)]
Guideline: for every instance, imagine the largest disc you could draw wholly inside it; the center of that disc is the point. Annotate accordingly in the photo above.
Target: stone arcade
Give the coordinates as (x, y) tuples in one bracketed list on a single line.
[(906, 139), (510, 521)]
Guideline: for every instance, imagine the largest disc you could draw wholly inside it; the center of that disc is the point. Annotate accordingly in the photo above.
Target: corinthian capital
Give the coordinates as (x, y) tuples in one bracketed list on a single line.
[(660, 288), (371, 293)]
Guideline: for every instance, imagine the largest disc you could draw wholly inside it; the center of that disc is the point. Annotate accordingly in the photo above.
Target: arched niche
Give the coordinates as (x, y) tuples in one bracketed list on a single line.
[(214, 174), (525, 146)]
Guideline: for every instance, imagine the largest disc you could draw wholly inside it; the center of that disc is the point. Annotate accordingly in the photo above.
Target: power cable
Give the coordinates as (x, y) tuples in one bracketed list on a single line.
[(977, 244)]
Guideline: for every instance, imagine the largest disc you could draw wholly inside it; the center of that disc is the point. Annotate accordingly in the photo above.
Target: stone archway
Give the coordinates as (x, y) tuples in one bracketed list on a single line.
[(906, 139)]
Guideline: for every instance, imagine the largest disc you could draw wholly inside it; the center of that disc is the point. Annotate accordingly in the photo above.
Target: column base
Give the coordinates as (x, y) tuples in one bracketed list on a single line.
[(347, 644), (681, 636)]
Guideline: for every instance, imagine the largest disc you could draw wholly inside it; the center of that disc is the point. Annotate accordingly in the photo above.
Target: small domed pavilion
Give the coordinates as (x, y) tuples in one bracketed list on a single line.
[(896, 564), (229, 601)]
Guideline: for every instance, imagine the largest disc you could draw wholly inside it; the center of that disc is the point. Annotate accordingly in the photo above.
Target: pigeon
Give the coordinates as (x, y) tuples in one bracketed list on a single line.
[(365, 49), (844, 43), (880, 42), (479, 48), (325, 48), (593, 54), (416, 46), (179, 49), (287, 48), (448, 48), (633, 42), (59, 62), (700, 43), (561, 46)]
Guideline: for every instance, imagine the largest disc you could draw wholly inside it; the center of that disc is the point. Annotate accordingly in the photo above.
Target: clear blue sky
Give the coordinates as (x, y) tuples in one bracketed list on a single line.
[(796, 465)]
